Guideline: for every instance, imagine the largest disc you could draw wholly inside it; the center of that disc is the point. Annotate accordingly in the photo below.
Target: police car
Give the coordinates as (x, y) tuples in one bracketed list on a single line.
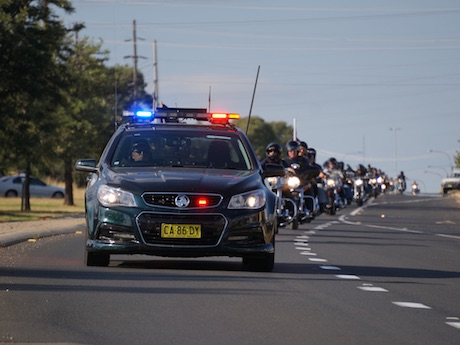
[(179, 183)]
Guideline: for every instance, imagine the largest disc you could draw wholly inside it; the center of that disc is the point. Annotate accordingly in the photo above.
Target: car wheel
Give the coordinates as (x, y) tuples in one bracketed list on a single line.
[(97, 259), (11, 194), (58, 195)]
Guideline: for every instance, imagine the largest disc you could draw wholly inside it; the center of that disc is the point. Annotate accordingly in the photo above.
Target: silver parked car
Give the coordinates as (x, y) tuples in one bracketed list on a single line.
[(11, 186)]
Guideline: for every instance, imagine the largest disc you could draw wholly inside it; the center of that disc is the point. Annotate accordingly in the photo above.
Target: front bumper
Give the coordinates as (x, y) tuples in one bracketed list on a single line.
[(237, 233)]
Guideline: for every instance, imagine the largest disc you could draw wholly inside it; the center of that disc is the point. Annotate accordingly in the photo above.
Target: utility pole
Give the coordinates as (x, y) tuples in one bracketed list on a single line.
[(135, 58), (156, 94), (395, 129)]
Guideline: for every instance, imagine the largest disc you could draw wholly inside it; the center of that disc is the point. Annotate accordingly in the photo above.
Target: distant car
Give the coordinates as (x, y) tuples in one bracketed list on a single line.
[(11, 186), (452, 182)]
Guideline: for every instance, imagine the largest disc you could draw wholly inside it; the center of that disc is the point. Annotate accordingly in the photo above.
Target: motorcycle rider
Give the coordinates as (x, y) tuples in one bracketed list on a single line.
[(272, 154), (402, 181), (332, 171), (306, 170)]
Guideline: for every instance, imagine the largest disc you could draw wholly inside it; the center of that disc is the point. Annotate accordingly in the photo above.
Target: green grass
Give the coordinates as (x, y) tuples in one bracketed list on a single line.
[(41, 208)]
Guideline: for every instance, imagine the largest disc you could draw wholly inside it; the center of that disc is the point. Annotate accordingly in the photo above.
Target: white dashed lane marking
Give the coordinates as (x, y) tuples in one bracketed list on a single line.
[(331, 268), (317, 260), (348, 276), (372, 289), (411, 305)]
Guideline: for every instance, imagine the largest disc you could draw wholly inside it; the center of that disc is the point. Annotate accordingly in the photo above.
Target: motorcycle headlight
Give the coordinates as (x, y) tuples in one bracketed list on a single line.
[(293, 182), (384, 186), (359, 183), (331, 183), (249, 200), (373, 181), (379, 179), (110, 196), (272, 181)]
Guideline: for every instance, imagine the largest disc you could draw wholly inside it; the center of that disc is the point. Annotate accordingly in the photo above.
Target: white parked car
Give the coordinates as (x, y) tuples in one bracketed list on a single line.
[(452, 182), (11, 186)]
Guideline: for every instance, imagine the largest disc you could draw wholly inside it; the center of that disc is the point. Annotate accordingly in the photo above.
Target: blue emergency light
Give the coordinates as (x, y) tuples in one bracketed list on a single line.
[(144, 114)]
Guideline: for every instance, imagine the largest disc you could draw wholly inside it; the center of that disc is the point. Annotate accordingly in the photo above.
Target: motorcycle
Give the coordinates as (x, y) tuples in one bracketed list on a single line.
[(295, 190), (401, 185), (335, 193), (359, 191), (415, 189), (375, 186), (286, 209)]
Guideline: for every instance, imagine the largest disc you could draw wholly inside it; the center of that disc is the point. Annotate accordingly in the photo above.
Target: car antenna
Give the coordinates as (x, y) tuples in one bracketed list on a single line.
[(252, 101)]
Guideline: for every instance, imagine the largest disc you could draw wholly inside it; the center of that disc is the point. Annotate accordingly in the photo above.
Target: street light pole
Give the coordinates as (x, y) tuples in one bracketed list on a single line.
[(434, 173), (435, 167), (448, 157), (396, 129)]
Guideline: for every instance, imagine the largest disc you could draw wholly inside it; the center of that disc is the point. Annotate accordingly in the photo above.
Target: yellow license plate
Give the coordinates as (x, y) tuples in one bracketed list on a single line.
[(180, 230)]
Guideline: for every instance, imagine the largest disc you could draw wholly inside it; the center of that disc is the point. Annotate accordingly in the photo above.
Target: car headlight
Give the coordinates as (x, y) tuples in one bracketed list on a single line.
[(110, 196), (249, 200), (293, 182)]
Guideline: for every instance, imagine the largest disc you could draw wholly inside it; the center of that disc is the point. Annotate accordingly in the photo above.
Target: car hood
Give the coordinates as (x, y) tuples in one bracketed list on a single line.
[(190, 180), (451, 180)]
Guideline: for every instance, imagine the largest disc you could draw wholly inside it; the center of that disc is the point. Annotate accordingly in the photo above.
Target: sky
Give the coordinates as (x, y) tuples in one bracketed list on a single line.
[(372, 82)]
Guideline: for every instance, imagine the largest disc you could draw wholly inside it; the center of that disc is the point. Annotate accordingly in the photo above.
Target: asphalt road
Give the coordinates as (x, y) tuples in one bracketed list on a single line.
[(388, 273)]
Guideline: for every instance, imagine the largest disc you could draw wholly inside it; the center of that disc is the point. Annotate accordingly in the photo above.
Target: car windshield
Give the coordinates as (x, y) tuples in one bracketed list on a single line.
[(185, 149)]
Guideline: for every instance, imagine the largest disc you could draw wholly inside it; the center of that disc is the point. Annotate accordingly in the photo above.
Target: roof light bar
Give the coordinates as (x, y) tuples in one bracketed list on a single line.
[(176, 114)]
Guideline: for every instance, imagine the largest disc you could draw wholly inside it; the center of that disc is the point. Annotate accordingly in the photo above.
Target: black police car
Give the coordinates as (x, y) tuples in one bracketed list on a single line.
[(180, 183)]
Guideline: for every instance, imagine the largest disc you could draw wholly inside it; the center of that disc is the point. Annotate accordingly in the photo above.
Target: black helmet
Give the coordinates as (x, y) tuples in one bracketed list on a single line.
[(273, 149), (292, 145), (303, 144), (332, 160), (311, 152)]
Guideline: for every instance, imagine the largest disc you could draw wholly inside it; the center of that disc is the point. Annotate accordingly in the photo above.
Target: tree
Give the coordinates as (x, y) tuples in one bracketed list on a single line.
[(31, 77), (262, 133), (85, 118)]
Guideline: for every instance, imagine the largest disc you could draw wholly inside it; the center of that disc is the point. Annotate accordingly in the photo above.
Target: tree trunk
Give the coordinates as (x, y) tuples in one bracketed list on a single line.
[(68, 179), (25, 198)]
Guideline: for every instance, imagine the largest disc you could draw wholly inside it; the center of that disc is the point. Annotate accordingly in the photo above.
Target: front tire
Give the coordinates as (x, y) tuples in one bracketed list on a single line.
[(97, 259)]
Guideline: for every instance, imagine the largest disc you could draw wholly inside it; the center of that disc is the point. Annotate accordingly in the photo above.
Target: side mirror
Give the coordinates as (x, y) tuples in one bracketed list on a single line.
[(86, 165), (273, 170)]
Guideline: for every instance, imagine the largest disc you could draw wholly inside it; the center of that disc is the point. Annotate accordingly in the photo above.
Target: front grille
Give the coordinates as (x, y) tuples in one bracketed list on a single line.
[(168, 199), (212, 226)]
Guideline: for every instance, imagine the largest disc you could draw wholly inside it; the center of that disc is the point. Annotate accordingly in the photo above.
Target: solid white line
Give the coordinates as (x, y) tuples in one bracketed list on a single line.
[(396, 229), (411, 305), (448, 236), (358, 210), (343, 220)]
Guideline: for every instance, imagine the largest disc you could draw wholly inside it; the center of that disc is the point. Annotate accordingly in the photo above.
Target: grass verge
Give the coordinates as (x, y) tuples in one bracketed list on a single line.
[(41, 208)]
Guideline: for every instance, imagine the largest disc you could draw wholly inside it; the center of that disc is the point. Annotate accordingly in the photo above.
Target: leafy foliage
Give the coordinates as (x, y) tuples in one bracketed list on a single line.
[(261, 133)]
